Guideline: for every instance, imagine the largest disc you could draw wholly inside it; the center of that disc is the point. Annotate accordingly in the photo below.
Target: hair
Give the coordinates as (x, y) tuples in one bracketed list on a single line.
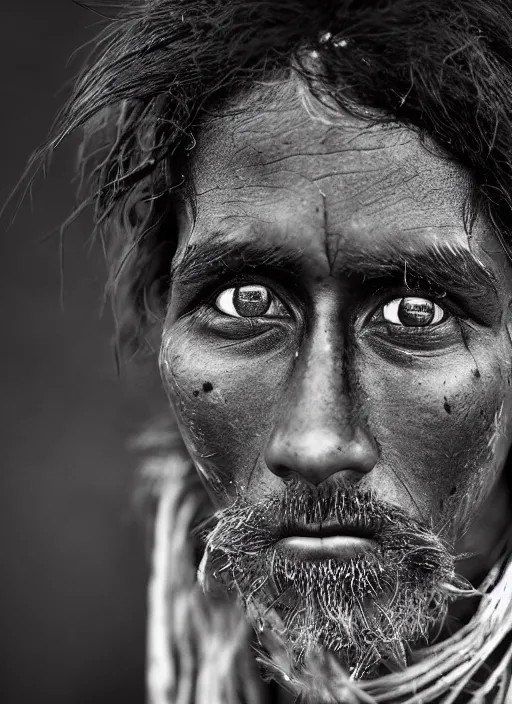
[(441, 67)]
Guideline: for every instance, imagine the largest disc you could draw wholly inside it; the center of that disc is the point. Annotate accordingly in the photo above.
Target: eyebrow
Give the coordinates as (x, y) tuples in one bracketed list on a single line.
[(219, 255), (447, 267), (443, 265)]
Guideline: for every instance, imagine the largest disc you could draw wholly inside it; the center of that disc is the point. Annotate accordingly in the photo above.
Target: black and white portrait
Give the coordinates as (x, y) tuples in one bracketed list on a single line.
[(305, 208)]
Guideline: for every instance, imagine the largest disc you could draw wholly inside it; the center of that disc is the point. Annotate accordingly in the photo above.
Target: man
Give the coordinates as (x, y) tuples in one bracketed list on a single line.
[(308, 207)]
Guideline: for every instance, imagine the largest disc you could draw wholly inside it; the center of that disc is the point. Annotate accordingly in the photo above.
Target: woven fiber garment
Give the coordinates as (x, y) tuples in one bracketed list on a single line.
[(199, 649)]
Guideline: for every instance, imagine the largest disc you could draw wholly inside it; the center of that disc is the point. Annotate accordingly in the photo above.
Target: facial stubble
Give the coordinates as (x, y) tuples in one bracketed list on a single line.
[(367, 610)]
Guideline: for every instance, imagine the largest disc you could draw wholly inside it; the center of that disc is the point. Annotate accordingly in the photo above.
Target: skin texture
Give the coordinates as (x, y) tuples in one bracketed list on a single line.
[(322, 386)]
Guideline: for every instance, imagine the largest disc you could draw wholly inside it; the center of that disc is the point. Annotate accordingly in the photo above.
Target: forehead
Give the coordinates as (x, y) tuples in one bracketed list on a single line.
[(323, 185)]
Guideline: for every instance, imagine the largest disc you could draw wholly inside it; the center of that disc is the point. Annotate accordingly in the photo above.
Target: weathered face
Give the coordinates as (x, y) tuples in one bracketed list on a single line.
[(332, 323)]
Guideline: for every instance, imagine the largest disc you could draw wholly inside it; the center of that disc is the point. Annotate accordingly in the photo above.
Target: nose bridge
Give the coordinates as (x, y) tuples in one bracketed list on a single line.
[(319, 394), (318, 434)]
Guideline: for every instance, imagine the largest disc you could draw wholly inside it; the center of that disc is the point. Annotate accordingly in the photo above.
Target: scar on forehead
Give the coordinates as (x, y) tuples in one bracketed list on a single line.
[(331, 243)]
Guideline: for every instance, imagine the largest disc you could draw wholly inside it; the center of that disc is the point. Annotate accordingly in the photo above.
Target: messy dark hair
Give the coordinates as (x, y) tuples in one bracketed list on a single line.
[(441, 67)]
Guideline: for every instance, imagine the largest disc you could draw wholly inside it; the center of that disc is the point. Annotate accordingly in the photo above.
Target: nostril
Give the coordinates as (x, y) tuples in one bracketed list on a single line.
[(319, 453), (283, 472)]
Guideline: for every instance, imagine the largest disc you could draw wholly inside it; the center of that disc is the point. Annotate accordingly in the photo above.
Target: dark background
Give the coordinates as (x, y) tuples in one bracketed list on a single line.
[(73, 564)]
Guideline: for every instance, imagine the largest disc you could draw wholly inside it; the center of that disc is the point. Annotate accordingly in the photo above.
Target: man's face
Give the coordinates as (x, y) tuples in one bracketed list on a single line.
[(334, 332)]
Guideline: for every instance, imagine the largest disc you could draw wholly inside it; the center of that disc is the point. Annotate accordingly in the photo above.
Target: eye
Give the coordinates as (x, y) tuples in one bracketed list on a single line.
[(251, 301), (413, 311)]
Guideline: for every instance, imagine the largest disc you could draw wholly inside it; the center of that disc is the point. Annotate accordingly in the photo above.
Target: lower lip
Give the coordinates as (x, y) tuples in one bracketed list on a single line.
[(341, 547)]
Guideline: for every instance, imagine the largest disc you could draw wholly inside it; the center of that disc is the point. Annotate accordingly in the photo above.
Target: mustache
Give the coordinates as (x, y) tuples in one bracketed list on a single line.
[(303, 509), (329, 508)]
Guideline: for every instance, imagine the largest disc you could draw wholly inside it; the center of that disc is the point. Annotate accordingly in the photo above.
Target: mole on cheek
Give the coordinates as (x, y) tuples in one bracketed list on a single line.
[(207, 387)]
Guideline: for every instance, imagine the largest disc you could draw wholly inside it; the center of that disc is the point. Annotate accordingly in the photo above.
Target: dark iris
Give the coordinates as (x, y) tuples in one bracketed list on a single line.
[(251, 301), (416, 311)]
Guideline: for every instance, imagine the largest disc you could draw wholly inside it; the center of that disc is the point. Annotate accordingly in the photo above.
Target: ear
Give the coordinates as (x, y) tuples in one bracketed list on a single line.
[(156, 297), (174, 229), (142, 294), (139, 308)]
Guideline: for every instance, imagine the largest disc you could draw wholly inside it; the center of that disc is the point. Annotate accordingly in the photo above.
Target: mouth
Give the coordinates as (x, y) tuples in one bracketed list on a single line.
[(331, 539), (332, 528)]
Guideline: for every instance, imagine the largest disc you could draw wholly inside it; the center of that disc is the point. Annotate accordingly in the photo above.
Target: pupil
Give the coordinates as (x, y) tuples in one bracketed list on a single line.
[(416, 311), (251, 301)]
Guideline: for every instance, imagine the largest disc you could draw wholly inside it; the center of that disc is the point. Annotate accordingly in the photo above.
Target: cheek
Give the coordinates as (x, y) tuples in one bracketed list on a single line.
[(442, 429), (225, 402)]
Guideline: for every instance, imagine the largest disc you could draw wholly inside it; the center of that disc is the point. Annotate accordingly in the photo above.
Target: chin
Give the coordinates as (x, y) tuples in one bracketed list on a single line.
[(364, 617)]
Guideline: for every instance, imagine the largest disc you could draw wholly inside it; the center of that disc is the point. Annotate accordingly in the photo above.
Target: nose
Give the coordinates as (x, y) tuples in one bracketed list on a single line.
[(321, 431)]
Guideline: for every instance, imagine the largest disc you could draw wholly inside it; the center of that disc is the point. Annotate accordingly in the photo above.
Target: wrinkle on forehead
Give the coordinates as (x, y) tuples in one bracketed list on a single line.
[(279, 130), (353, 181)]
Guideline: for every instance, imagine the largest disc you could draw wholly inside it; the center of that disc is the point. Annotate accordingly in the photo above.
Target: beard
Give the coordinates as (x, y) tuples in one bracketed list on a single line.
[(366, 610)]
